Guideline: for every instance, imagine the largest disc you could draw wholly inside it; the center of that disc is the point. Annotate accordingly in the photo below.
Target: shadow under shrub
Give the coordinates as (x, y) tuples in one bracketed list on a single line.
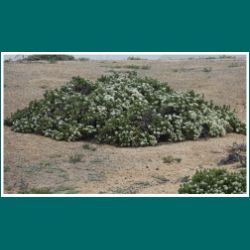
[(125, 110), (215, 181)]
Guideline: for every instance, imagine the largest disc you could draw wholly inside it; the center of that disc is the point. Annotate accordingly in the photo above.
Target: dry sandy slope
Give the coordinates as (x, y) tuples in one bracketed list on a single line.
[(33, 161)]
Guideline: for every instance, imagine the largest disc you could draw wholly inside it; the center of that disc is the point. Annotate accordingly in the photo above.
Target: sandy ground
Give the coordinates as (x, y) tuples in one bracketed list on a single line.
[(38, 163)]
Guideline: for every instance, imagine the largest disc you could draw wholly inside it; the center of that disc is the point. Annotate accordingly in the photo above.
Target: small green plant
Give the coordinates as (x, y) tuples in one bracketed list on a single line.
[(132, 66), (182, 70), (215, 181), (134, 58), (42, 190), (52, 61), (6, 168), (118, 71), (145, 67), (96, 176), (227, 57), (234, 65), (160, 179), (75, 158), (132, 188), (88, 147), (210, 57), (8, 60), (112, 66), (171, 159), (96, 161), (25, 189), (83, 59), (23, 186), (65, 189), (207, 70), (8, 188), (115, 66)]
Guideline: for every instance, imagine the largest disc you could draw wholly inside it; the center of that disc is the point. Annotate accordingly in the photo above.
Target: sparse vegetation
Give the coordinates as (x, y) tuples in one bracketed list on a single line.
[(113, 66), (125, 110), (160, 179), (8, 60), (83, 59), (52, 61), (50, 58), (65, 189), (227, 57), (96, 176), (170, 159), (89, 147), (75, 158), (131, 189), (132, 66), (207, 70), (25, 189), (215, 181), (43, 190), (182, 70), (7, 168), (134, 58), (119, 71), (145, 67), (210, 58), (237, 153), (234, 65), (96, 161)]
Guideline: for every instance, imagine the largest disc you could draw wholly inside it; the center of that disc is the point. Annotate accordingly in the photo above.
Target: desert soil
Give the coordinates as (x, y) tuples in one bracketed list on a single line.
[(34, 163)]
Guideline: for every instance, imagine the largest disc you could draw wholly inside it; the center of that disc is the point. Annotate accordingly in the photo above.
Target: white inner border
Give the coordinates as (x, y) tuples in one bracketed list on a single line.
[(130, 54)]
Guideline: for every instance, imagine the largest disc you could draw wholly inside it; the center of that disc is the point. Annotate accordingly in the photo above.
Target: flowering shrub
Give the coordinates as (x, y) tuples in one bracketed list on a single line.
[(215, 181), (124, 110)]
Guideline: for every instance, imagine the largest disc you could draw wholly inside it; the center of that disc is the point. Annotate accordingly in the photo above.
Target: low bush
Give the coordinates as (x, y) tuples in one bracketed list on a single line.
[(88, 147), (207, 70), (132, 66), (234, 64), (215, 181), (75, 158), (210, 57), (49, 58), (126, 110), (8, 60), (134, 58), (83, 59), (171, 159), (145, 67), (227, 57)]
